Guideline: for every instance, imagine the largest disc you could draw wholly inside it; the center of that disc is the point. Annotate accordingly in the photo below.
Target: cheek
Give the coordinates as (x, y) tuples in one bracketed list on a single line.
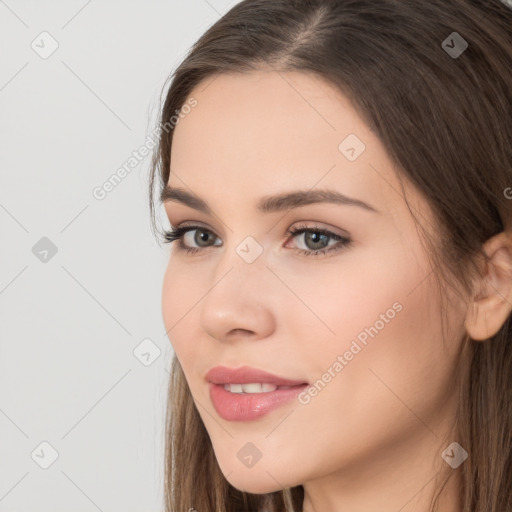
[(169, 298), (387, 350), (179, 294), (183, 292), (362, 294)]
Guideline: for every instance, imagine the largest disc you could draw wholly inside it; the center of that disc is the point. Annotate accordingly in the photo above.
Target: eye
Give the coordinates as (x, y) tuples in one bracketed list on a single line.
[(186, 234), (316, 239)]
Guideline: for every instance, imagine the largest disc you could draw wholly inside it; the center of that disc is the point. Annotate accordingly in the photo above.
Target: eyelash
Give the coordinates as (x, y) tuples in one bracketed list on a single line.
[(179, 232)]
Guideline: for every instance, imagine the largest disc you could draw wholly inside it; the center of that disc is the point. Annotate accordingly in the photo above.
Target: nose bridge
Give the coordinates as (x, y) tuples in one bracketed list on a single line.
[(242, 265), (237, 299)]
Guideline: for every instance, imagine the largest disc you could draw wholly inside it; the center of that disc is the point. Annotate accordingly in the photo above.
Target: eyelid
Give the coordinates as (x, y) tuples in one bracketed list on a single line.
[(191, 223)]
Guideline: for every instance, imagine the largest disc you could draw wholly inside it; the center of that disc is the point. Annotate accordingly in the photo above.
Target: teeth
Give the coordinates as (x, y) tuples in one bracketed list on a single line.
[(234, 388), (250, 388)]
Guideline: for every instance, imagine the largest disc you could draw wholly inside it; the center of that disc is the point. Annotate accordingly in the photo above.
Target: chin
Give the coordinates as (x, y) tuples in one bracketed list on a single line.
[(253, 483)]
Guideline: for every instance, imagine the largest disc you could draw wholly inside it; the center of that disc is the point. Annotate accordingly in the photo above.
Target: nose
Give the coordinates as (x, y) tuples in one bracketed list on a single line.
[(240, 302)]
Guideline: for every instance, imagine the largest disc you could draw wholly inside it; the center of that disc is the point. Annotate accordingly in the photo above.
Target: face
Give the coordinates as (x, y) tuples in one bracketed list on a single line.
[(348, 306)]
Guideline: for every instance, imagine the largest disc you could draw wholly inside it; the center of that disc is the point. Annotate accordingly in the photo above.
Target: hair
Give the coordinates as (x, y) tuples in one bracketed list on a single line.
[(446, 124)]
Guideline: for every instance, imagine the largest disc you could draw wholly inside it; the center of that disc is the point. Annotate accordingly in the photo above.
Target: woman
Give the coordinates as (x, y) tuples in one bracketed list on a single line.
[(337, 176)]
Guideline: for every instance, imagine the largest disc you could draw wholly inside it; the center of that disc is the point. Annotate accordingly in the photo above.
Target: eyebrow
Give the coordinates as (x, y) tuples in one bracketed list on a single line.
[(269, 204)]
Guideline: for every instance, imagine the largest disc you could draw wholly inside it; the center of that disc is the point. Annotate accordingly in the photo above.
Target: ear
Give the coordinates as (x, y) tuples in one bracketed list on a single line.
[(492, 304)]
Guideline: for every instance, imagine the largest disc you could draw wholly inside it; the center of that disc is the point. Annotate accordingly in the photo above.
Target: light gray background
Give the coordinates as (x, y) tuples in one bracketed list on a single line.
[(69, 325)]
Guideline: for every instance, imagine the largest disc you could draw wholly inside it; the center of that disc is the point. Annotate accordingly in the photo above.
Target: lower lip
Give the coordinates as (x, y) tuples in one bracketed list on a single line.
[(250, 406)]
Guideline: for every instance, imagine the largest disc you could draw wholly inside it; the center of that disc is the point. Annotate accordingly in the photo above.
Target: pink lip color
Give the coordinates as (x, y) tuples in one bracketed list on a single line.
[(248, 407)]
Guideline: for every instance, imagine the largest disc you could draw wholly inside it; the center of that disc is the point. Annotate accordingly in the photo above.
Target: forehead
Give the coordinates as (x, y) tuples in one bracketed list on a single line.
[(242, 116), (264, 132)]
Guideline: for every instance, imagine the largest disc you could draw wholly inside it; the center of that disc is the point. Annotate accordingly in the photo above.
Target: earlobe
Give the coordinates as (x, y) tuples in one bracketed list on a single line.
[(492, 304)]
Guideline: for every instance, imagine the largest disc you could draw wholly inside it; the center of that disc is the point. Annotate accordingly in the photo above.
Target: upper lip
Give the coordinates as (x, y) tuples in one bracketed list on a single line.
[(247, 375)]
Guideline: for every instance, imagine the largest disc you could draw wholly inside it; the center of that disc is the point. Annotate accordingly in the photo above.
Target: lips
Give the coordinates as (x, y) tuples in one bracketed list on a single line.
[(247, 375), (237, 406)]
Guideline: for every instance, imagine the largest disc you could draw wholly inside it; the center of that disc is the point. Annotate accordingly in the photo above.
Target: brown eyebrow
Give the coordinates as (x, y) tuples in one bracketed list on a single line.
[(269, 204)]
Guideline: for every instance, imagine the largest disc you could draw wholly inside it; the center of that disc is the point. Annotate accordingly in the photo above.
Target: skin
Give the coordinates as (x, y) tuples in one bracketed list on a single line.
[(372, 438)]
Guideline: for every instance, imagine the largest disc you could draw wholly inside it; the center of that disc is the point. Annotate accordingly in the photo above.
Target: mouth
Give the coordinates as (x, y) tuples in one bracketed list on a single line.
[(253, 387), (246, 394)]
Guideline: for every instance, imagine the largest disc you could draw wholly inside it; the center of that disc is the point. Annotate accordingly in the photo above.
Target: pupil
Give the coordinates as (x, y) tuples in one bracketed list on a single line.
[(316, 237), (203, 236)]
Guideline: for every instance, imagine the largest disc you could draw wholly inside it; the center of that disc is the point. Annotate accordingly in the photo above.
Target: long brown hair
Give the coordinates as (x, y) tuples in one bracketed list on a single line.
[(446, 122)]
